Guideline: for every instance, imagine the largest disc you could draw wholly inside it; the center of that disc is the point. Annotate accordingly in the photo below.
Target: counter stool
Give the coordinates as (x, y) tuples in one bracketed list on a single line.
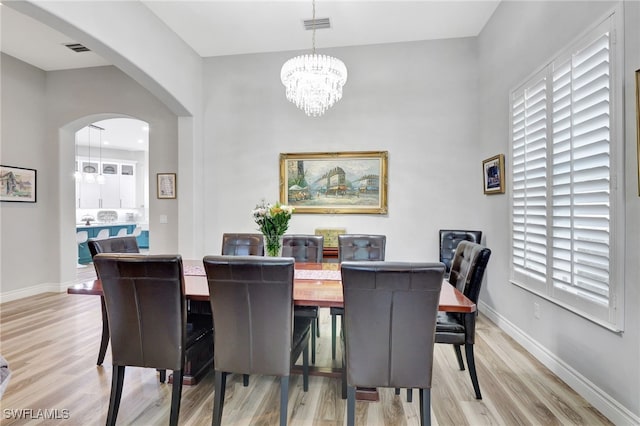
[(81, 238)]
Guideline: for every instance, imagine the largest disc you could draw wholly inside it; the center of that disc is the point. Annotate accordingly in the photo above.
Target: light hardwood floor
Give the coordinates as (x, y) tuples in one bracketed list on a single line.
[(51, 343)]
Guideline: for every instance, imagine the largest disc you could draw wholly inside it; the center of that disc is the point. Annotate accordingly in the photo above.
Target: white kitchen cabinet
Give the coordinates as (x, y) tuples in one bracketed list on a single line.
[(118, 190)]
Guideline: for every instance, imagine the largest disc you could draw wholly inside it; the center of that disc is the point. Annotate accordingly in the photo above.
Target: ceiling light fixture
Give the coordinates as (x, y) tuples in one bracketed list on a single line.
[(89, 170), (100, 179), (314, 82)]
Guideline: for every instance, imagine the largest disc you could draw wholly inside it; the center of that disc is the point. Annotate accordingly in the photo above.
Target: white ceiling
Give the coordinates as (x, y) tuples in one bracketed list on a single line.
[(215, 27), (118, 133)]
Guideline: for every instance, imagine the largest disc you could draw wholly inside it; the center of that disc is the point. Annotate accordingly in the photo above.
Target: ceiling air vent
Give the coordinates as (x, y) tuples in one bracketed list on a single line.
[(318, 24), (77, 47)]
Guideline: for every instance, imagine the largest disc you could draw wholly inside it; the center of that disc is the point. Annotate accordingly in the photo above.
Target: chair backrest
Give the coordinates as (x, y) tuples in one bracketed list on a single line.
[(137, 231), (303, 248), (113, 245), (102, 234), (146, 307), (252, 313), (361, 247), (82, 237), (390, 311), (122, 232), (449, 240), (467, 268), (242, 244)]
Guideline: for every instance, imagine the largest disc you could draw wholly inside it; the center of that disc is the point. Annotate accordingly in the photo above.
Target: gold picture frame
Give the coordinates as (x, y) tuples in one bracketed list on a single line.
[(335, 182), (493, 175), (166, 185), (638, 124)]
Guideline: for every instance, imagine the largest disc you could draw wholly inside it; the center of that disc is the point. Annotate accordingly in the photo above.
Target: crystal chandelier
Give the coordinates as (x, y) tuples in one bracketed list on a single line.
[(314, 82)]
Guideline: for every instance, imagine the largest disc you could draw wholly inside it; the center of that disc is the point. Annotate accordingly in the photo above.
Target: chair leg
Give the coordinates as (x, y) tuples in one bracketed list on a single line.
[(305, 367), (163, 375), (351, 406), (313, 340), (218, 403), (284, 400), (176, 395), (471, 362), (105, 332), (409, 395), (117, 379), (333, 336), (245, 380), (397, 391), (317, 321), (425, 407), (344, 373), (458, 352)]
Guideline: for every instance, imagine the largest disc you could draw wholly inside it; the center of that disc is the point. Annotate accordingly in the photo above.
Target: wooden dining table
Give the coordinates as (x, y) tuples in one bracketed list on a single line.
[(314, 284)]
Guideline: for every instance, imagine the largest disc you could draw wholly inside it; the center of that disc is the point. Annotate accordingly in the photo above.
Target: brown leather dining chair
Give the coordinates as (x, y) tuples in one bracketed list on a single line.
[(306, 248), (467, 272), (255, 330), (383, 302), (242, 244), (449, 240), (360, 247), (146, 306), (110, 245)]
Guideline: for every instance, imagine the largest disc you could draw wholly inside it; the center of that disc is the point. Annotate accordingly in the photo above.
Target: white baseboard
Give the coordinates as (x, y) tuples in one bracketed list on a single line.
[(608, 406), (8, 296)]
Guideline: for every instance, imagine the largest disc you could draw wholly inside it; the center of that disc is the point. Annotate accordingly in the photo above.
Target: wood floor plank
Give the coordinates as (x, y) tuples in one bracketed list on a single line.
[(51, 343)]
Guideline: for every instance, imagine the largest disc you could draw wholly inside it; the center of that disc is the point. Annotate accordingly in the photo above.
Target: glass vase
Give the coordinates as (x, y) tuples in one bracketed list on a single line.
[(273, 245)]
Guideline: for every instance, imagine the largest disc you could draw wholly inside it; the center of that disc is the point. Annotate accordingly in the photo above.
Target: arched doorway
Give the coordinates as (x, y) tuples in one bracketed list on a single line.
[(105, 171)]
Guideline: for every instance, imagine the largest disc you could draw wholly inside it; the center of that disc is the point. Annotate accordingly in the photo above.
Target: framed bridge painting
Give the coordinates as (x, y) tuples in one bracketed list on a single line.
[(17, 184), (335, 182)]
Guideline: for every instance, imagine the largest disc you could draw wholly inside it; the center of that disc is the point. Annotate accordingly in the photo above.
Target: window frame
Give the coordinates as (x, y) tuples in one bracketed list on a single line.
[(612, 315)]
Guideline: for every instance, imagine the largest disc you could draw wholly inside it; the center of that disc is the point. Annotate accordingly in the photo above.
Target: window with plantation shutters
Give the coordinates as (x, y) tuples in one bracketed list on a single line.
[(563, 199)]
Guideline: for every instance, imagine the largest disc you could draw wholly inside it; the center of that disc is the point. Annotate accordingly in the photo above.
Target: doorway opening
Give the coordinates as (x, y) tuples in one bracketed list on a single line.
[(111, 164)]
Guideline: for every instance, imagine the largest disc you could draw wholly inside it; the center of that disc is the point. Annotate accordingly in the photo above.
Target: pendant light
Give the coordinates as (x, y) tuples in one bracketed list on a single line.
[(100, 178), (88, 170)]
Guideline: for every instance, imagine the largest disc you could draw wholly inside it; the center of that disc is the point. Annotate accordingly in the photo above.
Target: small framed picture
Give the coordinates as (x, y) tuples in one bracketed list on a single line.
[(493, 174), (166, 185), (18, 184)]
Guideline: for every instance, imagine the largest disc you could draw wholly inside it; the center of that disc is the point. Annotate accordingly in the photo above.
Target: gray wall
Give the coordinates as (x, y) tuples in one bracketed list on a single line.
[(25, 236), (40, 114), (580, 351), (418, 101)]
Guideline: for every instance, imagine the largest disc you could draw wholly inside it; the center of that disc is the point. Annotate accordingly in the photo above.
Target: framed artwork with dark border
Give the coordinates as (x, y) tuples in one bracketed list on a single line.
[(166, 185), (493, 174), (335, 182), (638, 124), (18, 184)]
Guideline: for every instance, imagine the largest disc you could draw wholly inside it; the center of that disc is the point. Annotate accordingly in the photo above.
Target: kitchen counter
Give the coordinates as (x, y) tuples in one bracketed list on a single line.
[(104, 224)]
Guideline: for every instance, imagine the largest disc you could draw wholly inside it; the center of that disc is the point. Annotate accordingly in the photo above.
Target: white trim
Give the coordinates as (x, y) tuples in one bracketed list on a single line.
[(607, 405), (35, 290)]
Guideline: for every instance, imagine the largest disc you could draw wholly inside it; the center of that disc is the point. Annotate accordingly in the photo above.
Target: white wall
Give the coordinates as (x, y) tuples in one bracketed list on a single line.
[(601, 364), (24, 237), (40, 115), (134, 39), (416, 100)]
